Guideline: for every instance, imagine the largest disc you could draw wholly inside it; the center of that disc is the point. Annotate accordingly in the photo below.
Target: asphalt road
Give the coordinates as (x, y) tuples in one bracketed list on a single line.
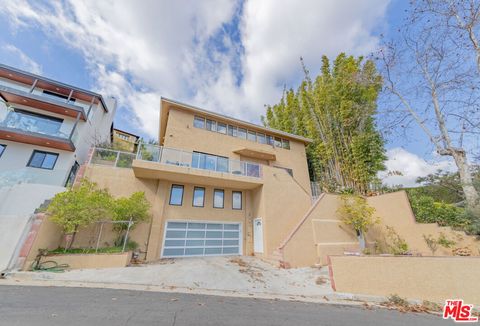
[(22, 305)]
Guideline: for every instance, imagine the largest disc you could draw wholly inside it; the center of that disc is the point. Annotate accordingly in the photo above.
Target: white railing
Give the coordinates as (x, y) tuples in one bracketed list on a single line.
[(196, 160)]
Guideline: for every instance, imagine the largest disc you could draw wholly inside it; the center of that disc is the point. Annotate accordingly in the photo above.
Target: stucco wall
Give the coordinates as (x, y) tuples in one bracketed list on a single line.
[(80, 261), (428, 278)]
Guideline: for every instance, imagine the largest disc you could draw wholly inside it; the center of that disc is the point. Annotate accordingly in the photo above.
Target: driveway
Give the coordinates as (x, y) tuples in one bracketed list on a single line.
[(240, 275)]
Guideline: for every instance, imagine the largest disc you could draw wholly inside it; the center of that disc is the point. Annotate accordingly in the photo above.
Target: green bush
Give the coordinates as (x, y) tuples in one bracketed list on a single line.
[(427, 210)]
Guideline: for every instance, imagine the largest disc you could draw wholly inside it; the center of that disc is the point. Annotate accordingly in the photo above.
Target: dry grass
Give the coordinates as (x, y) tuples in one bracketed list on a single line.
[(398, 303), (320, 280)]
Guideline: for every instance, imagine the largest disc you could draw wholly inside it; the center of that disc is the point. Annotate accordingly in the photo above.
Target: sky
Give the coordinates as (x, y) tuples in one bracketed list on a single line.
[(232, 57)]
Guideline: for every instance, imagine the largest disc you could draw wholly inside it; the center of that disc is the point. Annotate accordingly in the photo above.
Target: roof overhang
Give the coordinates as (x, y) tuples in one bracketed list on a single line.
[(51, 85), (166, 104), (256, 153)]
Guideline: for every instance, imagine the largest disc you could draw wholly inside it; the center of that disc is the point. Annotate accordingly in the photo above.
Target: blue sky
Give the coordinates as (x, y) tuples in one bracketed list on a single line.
[(228, 56)]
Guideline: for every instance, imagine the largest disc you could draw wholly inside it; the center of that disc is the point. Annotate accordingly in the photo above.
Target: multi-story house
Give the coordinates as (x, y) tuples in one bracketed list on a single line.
[(125, 140), (47, 129), (217, 185)]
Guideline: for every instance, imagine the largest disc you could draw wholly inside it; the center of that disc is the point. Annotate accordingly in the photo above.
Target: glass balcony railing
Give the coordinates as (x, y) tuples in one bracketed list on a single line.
[(31, 122), (39, 92), (196, 160), (29, 175), (113, 158)]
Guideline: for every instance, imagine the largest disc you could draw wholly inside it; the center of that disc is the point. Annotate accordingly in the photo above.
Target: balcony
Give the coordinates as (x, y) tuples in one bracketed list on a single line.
[(157, 162), (30, 128)]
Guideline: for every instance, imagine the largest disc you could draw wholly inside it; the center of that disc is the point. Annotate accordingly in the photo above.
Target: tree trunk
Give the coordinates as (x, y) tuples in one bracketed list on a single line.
[(361, 240), (471, 194), (72, 238)]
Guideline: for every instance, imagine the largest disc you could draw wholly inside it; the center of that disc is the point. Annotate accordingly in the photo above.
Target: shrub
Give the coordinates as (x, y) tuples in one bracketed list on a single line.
[(396, 245)]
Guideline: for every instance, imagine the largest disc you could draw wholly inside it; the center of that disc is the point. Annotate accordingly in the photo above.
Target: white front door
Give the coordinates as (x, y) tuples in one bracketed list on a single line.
[(258, 235)]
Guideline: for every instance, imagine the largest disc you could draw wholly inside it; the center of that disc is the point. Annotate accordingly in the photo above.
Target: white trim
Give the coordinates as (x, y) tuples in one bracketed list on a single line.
[(240, 238)]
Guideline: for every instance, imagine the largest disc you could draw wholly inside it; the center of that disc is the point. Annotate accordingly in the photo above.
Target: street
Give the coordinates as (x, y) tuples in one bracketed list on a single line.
[(27, 305)]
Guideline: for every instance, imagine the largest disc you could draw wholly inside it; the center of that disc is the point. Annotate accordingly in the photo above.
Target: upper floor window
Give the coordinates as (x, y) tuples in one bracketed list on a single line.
[(58, 96), (209, 162), (2, 149), (176, 195), (261, 138), (236, 200), (199, 122), (218, 198), (242, 133), (198, 196), (211, 125), (43, 160), (222, 128), (232, 131)]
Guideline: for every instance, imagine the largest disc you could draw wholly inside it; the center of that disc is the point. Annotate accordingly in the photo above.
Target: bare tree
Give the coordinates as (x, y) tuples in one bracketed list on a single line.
[(432, 74)]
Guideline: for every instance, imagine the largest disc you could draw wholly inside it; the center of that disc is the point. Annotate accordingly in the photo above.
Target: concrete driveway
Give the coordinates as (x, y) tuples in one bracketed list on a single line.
[(241, 275)]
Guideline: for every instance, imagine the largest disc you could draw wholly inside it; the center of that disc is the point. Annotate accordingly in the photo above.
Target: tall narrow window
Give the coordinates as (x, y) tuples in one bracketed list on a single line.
[(261, 138), (199, 122), (198, 196), (218, 198), (221, 128), (42, 160), (252, 135), (2, 149), (232, 131), (176, 195), (285, 144), (278, 142), (269, 140), (236, 200), (211, 125), (242, 133)]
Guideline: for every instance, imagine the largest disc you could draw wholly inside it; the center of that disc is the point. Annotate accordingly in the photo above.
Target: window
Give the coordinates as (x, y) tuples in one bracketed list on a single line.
[(42, 160), (122, 136), (2, 149), (176, 195), (211, 125), (261, 138), (278, 142), (242, 133), (222, 128), (218, 195), (198, 197), (58, 96), (270, 140), (199, 122), (236, 200), (285, 144), (232, 131), (252, 136)]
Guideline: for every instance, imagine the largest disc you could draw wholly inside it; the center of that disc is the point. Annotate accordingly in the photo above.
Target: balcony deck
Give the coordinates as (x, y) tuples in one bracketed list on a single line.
[(183, 174), (37, 139)]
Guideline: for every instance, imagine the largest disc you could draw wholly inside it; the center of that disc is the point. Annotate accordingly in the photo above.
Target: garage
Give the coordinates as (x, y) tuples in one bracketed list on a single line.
[(198, 238)]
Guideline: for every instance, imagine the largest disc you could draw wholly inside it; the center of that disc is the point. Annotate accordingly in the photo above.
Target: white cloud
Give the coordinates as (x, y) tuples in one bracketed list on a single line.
[(18, 57), (411, 167), (181, 49)]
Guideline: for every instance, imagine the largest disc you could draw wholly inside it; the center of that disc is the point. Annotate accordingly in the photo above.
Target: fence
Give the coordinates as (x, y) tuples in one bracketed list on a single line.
[(316, 190)]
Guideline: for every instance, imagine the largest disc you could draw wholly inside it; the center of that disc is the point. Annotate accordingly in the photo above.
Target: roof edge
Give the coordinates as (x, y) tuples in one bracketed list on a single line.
[(246, 123)]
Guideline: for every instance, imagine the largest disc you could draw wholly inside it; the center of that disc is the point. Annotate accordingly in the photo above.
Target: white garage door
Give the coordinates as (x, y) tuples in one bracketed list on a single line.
[(185, 239)]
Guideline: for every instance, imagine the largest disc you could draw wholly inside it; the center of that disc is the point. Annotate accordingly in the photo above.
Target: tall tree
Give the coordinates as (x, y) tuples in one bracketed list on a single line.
[(337, 111), (432, 72)]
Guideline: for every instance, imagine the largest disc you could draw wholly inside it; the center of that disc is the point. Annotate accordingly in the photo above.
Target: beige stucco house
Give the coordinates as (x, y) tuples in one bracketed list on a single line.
[(222, 186)]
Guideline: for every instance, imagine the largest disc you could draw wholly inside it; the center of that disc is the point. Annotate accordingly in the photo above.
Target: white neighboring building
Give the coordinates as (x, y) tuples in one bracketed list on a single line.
[(46, 131)]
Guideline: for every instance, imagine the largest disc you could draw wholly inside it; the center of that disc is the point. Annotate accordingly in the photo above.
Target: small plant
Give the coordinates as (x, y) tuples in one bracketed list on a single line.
[(395, 243), (465, 251), (367, 251), (356, 212), (444, 241), (432, 243), (398, 301)]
